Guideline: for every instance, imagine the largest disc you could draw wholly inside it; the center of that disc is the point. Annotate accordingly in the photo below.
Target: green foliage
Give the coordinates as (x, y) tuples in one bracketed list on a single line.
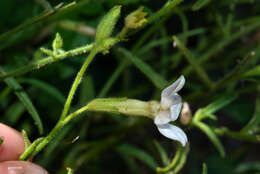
[(200, 4), (178, 161), (204, 169), (107, 24), (23, 97), (139, 154), (157, 80)]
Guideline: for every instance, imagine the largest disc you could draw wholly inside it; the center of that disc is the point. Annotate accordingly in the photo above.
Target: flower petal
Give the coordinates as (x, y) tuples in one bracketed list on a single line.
[(175, 111), (173, 132), (175, 87), (163, 117), (173, 99)]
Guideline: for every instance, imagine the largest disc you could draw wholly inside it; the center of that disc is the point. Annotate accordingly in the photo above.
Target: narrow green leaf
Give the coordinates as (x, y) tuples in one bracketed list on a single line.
[(23, 97), (248, 166), (156, 78), (182, 160), (193, 61), (43, 17), (139, 154), (218, 104), (46, 87), (163, 153), (30, 150), (253, 72), (212, 136), (45, 4), (131, 162), (14, 112), (4, 93), (237, 135), (106, 26), (255, 120), (26, 139), (204, 169), (87, 90), (178, 161), (112, 79), (200, 4)]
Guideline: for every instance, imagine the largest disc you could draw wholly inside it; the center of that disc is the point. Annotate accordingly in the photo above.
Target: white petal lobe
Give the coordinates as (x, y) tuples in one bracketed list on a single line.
[(162, 118), (175, 87), (173, 132), (175, 98), (175, 111)]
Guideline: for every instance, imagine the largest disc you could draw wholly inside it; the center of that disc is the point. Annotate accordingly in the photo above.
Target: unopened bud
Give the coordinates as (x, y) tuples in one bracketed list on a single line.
[(185, 116), (57, 43), (136, 19)]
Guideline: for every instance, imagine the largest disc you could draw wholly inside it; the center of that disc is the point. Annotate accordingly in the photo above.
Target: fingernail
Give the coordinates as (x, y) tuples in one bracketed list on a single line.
[(34, 169), (14, 167), (16, 170)]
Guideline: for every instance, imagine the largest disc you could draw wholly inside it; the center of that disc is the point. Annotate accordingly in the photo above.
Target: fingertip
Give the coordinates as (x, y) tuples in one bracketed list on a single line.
[(13, 143)]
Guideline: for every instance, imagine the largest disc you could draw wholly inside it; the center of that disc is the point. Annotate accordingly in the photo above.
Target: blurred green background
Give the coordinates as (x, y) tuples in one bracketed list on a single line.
[(218, 33)]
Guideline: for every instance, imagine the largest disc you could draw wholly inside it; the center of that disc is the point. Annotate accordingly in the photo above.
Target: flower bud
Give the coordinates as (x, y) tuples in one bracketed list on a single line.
[(185, 114), (135, 19), (57, 43)]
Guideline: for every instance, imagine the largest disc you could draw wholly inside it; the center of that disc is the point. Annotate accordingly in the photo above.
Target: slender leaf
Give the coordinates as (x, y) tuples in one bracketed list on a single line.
[(107, 24), (248, 166), (26, 139), (204, 169), (163, 153), (200, 4), (252, 72), (156, 78), (139, 154), (177, 162), (14, 112), (130, 161), (192, 60), (182, 160), (46, 87), (218, 104), (212, 136), (255, 120), (23, 97)]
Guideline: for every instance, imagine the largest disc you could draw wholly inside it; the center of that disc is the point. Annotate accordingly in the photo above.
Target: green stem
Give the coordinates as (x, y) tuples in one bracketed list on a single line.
[(48, 60), (61, 121), (237, 135), (74, 114), (77, 82), (34, 21)]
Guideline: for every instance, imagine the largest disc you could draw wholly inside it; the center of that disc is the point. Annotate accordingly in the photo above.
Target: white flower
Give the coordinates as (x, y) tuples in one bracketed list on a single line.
[(171, 104)]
